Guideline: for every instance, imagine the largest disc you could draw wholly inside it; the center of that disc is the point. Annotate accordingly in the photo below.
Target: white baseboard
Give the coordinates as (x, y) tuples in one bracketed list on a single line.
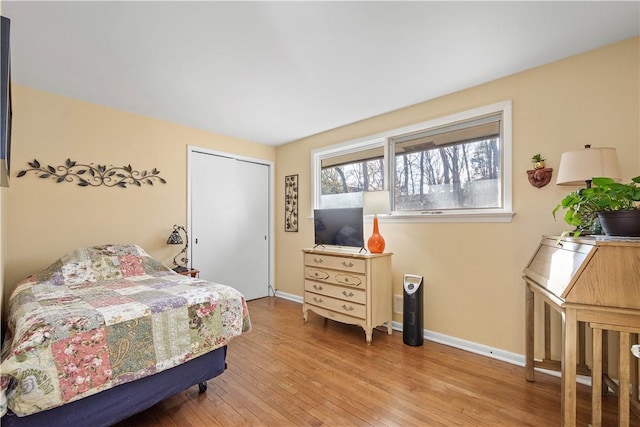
[(473, 347), (470, 346), (290, 297)]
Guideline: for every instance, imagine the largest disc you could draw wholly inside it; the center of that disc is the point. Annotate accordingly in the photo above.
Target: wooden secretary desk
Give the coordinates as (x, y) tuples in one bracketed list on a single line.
[(595, 280)]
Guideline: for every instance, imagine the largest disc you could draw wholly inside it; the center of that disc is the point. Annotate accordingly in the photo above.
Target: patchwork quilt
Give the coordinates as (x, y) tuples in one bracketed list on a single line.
[(104, 316)]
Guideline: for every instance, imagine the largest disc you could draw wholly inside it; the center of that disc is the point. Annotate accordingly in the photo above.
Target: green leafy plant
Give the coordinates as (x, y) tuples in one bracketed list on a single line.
[(582, 206), (537, 158)]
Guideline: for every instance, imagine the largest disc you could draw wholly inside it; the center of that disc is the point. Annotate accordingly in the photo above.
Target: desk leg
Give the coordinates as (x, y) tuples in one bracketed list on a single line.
[(605, 360), (582, 348), (623, 388), (547, 332), (529, 334), (596, 379), (568, 367)]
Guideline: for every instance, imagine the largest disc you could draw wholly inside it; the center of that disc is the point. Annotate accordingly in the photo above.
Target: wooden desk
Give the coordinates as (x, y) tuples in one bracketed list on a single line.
[(595, 280)]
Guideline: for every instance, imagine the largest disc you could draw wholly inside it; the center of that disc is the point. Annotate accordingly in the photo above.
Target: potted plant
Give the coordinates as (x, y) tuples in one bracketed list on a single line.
[(616, 206), (538, 161)]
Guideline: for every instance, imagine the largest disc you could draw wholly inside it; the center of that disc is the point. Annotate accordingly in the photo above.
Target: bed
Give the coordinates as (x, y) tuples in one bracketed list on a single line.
[(107, 331)]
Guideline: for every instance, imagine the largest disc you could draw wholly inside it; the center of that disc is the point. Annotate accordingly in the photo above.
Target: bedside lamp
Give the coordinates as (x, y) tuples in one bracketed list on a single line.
[(176, 239), (578, 167), (374, 203)]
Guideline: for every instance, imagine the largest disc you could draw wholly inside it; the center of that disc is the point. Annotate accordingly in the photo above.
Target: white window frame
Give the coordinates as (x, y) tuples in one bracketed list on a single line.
[(361, 144), (503, 214)]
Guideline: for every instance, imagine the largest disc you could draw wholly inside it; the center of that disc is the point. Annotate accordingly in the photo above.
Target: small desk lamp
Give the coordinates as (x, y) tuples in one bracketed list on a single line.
[(374, 203), (580, 167), (176, 239)]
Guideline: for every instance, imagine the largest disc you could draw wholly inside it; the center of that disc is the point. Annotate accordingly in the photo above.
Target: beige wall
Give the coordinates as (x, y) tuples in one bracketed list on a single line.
[(473, 286), (46, 219)]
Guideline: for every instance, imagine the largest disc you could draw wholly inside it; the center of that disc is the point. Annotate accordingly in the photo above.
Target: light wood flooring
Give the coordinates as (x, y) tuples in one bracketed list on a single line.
[(321, 373)]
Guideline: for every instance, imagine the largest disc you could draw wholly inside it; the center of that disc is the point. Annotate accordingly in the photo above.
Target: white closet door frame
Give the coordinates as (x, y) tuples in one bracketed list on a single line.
[(190, 151)]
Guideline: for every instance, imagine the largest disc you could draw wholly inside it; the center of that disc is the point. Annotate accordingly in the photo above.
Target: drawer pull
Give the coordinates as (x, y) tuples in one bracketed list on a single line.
[(350, 294), (350, 308), (348, 280), (318, 300), (344, 263), (317, 274), (317, 288), (318, 260)]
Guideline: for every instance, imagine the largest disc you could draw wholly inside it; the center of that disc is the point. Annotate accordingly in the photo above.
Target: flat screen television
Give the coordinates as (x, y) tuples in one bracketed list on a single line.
[(5, 102), (338, 227)]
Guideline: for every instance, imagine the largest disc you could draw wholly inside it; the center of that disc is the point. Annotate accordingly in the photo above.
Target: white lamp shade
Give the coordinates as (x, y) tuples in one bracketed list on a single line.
[(576, 167), (375, 202)]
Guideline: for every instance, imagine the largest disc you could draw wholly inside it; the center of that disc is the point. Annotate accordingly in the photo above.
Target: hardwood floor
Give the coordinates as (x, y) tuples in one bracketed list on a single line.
[(322, 373)]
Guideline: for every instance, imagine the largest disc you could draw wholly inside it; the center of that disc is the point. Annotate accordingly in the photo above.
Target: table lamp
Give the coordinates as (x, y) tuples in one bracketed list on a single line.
[(176, 239), (580, 167), (374, 203)]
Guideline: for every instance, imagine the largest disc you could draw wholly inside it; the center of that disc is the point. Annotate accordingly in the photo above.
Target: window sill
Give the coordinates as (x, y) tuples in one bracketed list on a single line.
[(432, 217)]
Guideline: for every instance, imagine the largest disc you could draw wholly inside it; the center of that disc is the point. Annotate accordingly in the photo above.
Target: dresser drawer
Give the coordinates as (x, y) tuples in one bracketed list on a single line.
[(335, 304), (337, 277), (346, 264), (348, 294)]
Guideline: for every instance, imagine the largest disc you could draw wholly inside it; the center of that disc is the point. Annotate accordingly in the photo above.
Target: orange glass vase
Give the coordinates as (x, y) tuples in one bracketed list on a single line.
[(376, 241)]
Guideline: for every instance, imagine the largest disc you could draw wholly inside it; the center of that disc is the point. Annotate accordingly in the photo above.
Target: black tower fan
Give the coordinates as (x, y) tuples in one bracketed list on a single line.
[(412, 316)]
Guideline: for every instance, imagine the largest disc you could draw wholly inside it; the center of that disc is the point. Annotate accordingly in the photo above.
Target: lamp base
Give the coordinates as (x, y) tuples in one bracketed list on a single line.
[(180, 269), (376, 241)]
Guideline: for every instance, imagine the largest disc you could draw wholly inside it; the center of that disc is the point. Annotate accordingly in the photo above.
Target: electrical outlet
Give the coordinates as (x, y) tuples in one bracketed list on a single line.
[(397, 304)]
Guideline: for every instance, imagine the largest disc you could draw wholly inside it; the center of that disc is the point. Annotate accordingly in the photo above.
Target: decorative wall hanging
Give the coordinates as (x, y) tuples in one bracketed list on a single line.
[(291, 203), (94, 176), (539, 176)]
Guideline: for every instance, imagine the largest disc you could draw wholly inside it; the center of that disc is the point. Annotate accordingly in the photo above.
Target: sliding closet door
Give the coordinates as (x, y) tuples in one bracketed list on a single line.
[(252, 212), (230, 222)]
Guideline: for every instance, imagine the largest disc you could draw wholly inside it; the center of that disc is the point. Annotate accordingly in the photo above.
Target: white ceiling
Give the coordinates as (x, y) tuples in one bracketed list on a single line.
[(274, 72)]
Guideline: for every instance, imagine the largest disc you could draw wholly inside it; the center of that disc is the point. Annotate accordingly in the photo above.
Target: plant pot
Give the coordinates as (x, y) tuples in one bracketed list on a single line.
[(620, 223), (538, 165)]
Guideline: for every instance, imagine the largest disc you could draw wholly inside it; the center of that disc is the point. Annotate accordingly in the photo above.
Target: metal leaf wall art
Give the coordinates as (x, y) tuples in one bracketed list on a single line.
[(291, 203), (90, 175)]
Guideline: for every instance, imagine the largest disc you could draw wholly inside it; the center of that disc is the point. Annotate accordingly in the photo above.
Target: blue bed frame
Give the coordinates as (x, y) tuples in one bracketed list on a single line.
[(116, 404)]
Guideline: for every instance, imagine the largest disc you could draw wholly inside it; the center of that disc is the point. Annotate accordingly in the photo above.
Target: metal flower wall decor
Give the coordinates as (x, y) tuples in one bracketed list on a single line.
[(291, 203), (90, 175)]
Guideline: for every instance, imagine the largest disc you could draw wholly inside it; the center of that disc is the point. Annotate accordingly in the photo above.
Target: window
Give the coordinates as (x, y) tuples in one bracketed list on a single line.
[(454, 166), (344, 173), (458, 167)]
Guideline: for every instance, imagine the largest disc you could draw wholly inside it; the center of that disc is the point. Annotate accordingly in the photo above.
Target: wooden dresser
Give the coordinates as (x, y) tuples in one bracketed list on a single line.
[(595, 281), (349, 288)]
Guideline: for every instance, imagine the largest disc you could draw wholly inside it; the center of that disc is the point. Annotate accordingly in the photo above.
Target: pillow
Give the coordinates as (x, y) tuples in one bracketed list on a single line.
[(98, 263)]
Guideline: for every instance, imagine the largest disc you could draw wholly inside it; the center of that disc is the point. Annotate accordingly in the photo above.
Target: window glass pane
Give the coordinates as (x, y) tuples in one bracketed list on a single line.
[(457, 166), (344, 177)]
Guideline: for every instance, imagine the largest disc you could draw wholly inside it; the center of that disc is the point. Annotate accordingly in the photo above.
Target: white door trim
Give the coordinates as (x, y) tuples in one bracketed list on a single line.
[(270, 164)]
